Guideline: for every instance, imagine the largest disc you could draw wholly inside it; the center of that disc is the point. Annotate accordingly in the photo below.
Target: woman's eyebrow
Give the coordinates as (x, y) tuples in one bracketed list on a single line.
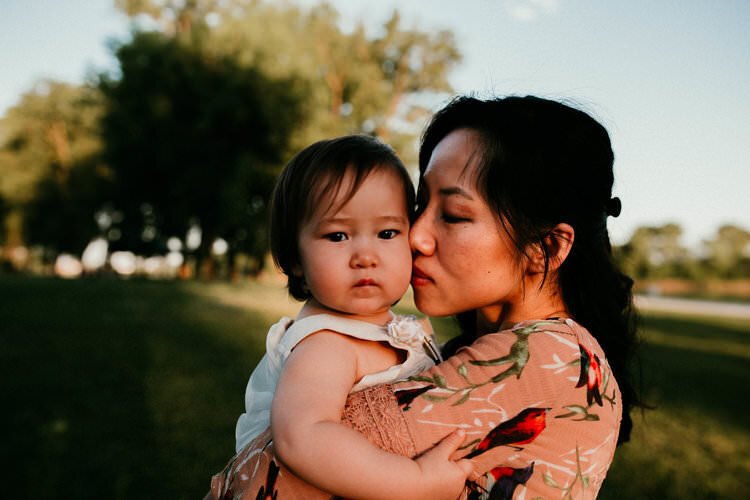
[(455, 190)]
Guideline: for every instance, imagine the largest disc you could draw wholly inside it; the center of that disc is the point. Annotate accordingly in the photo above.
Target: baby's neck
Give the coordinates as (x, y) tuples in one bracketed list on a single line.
[(313, 307)]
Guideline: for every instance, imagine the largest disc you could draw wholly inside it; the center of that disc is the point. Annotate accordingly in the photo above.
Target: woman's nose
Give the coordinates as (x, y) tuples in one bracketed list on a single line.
[(421, 239)]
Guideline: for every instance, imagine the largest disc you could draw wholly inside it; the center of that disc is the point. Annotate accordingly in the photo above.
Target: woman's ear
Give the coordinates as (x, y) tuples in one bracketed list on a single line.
[(559, 242)]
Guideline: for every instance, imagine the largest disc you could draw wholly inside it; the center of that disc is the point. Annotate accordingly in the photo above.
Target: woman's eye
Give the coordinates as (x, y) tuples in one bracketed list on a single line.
[(452, 219), (388, 234), (335, 237)]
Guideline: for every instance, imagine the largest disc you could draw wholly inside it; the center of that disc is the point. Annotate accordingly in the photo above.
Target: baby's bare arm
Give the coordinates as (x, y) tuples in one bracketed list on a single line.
[(311, 441)]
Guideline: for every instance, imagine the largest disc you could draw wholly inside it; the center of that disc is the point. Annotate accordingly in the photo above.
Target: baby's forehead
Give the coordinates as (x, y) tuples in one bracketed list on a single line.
[(331, 192)]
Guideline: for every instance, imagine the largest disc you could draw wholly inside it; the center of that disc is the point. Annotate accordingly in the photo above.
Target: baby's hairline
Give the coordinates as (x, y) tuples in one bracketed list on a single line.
[(328, 191)]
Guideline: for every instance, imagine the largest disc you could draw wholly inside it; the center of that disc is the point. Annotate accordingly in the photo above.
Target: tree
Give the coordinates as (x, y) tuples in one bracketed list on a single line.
[(194, 138), (728, 254), (51, 178), (356, 83), (411, 61), (3, 213), (656, 252), (351, 83), (174, 17)]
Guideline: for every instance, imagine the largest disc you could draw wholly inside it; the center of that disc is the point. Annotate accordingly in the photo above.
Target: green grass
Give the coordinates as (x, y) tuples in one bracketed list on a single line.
[(130, 389), (696, 442)]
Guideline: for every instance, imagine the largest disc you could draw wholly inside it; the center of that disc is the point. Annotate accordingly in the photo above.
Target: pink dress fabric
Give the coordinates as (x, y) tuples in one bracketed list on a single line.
[(539, 405)]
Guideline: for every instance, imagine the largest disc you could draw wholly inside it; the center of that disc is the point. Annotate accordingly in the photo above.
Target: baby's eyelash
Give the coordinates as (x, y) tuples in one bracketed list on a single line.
[(388, 234), (335, 237)]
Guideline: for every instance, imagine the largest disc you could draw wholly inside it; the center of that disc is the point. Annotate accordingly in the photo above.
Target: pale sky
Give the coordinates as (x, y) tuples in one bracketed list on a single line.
[(669, 79)]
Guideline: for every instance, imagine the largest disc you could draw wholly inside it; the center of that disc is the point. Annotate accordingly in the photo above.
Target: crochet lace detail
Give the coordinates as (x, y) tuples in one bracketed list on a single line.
[(375, 413)]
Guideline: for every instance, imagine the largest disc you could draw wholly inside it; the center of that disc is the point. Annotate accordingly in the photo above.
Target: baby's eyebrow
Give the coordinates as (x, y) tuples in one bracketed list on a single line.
[(393, 218), (455, 190), (382, 218)]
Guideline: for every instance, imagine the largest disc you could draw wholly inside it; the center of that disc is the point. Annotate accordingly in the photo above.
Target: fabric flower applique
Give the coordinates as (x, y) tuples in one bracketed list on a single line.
[(407, 331)]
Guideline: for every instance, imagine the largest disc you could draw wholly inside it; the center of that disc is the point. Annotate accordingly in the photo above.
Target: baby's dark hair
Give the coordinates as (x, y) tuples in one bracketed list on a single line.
[(315, 174)]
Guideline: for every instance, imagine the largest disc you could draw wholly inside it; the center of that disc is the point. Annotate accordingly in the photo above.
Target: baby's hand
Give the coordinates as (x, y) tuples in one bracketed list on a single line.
[(441, 476)]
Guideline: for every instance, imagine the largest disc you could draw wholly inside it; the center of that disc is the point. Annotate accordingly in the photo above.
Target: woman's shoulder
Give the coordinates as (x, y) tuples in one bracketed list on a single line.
[(565, 326), (543, 334)]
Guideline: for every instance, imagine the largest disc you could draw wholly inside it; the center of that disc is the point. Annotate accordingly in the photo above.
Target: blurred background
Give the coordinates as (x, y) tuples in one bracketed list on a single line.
[(139, 141)]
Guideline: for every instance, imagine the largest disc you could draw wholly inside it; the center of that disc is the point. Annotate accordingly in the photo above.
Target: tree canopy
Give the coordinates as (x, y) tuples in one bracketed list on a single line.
[(208, 101), (657, 252), (193, 139), (50, 173)]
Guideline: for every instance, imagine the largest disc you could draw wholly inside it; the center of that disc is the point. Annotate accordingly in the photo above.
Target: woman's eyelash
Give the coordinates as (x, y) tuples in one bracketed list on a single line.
[(451, 219)]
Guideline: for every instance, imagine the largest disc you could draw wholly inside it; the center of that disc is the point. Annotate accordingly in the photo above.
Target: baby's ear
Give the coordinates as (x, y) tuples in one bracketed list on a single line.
[(297, 271), (559, 242)]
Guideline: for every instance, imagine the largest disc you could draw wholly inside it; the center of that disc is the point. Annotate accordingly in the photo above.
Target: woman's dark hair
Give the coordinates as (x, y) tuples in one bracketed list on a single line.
[(542, 163), (309, 178)]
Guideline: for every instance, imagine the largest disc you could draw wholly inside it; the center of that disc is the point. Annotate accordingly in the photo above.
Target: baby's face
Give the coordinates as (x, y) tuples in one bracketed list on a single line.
[(355, 256)]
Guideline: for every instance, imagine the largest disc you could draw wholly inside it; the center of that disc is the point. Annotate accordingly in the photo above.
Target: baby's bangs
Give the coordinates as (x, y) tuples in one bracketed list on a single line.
[(328, 185)]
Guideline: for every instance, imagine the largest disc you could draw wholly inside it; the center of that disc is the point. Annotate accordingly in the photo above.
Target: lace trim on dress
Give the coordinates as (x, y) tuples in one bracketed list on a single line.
[(375, 414)]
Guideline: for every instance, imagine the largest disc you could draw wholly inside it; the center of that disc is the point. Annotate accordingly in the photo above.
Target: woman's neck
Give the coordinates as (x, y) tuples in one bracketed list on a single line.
[(539, 305)]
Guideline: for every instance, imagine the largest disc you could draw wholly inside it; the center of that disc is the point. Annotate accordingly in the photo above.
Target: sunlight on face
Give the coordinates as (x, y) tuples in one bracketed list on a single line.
[(463, 259), (355, 256)]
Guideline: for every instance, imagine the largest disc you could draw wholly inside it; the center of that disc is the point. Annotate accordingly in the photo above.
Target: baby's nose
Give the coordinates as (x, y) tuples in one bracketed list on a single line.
[(364, 257)]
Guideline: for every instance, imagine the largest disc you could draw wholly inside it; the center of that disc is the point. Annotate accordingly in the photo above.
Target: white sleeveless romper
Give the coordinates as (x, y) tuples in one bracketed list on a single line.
[(402, 332)]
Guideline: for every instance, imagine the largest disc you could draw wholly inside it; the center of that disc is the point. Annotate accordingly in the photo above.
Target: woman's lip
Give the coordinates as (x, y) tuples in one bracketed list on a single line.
[(419, 278)]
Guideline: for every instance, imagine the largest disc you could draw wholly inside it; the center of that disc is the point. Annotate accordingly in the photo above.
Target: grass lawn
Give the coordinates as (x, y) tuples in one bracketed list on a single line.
[(130, 389)]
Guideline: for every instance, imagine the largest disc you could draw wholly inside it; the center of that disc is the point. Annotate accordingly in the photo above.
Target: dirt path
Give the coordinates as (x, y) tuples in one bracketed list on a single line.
[(689, 306)]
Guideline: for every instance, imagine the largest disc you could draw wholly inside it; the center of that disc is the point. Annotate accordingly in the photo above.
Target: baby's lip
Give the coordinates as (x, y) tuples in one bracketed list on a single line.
[(365, 282)]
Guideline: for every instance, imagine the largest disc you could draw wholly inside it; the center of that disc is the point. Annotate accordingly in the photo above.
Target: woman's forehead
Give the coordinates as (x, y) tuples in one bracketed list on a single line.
[(455, 160)]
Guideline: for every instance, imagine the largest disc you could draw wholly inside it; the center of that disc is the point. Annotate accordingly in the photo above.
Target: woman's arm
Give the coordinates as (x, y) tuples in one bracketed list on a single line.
[(311, 441), (527, 398)]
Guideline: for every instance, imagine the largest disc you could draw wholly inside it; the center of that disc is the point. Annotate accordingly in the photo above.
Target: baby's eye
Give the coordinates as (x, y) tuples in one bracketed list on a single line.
[(388, 234), (335, 237)]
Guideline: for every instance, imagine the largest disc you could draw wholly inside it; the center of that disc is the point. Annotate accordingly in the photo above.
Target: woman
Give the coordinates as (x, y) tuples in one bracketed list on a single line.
[(511, 238)]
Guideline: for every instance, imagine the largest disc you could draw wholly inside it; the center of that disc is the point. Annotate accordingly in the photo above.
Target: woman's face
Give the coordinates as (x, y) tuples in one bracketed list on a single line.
[(463, 258)]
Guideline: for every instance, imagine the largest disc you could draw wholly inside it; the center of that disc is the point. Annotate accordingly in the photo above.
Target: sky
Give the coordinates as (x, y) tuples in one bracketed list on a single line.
[(669, 80)]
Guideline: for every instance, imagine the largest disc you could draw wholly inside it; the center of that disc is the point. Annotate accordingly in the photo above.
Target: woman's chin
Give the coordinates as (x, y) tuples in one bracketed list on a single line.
[(430, 307)]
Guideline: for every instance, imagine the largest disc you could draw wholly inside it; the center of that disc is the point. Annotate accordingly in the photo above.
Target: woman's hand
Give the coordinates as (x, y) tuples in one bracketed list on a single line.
[(441, 476)]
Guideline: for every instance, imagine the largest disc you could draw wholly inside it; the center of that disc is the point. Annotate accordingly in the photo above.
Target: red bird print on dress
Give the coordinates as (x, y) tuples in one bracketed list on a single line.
[(521, 429), (405, 397), (267, 492), (591, 376), (505, 480)]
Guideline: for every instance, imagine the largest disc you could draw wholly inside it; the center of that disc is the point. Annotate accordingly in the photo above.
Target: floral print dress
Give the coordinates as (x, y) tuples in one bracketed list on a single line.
[(538, 403)]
